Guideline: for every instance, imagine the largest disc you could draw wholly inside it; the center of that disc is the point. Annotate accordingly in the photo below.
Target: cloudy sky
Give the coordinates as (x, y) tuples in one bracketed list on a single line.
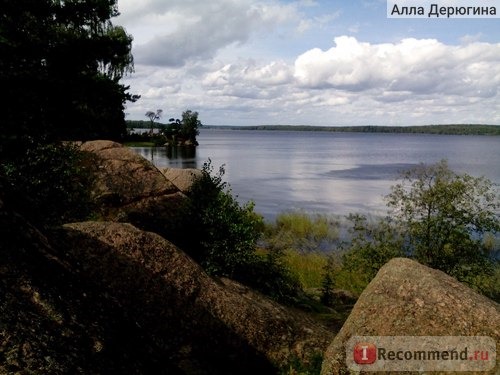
[(252, 62)]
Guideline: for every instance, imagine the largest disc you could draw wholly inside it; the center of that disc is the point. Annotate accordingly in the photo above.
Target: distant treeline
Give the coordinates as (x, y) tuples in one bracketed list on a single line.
[(461, 129), (142, 124), (458, 129)]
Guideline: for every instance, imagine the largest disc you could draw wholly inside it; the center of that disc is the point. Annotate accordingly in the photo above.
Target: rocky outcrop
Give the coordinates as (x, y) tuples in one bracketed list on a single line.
[(128, 188), (107, 298), (124, 176), (53, 322), (183, 309), (409, 299), (182, 178)]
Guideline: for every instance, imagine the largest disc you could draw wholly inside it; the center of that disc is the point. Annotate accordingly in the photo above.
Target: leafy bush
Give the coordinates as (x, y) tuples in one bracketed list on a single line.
[(270, 274), (442, 219), (222, 235), (372, 243), (445, 216), (49, 183)]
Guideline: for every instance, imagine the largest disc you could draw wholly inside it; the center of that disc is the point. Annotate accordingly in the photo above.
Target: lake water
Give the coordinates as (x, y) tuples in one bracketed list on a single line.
[(335, 173)]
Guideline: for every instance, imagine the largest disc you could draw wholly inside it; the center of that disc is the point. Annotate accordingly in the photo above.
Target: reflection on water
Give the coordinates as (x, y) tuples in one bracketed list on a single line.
[(334, 173), (170, 156), (389, 171)]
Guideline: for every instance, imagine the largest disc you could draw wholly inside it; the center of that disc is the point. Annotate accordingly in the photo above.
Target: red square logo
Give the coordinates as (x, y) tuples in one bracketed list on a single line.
[(365, 353)]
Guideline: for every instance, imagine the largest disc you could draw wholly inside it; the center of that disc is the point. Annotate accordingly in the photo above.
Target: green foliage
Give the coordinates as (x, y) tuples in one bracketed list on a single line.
[(442, 219), (221, 235), (445, 216), (489, 284), (183, 130), (298, 367), (302, 232), (60, 63), (270, 274), (140, 124), (145, 139), (372, 243), (307, 266), (328, 284), (190, 125), (153, 116), (224, 233), (50, 184), (302, 239), (343, 278)]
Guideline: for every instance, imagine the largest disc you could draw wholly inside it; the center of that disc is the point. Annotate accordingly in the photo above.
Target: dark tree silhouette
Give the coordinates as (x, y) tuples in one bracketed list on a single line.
[(153, 116), (60, 67)]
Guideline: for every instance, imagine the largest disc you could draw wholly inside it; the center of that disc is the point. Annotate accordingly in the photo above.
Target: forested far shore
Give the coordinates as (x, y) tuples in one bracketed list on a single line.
[(450, 129), (472, 129)]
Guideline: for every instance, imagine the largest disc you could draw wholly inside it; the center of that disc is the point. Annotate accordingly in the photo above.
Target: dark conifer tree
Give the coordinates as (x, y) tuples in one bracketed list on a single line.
[(60, 68)]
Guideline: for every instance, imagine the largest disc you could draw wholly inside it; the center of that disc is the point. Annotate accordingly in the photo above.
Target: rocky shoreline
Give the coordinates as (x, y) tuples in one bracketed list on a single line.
[(112, 296)]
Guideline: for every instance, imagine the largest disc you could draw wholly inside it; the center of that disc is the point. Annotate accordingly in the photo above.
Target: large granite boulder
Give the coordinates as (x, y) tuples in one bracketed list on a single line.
[(183, 309), (182, 178), (124, 176), (54, 322), (128, 188), (409, 299)]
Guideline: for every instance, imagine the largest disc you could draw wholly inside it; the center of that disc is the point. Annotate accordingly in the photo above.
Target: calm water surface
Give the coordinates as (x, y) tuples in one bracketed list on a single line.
[(335, 173)]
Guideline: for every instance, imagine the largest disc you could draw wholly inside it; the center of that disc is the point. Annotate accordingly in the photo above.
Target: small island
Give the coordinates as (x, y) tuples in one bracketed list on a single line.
[(178, 132), (183, 132)]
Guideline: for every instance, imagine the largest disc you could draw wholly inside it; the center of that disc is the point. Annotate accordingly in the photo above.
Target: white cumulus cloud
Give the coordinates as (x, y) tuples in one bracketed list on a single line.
[(297, 62), (171, 33), (411, 66)]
